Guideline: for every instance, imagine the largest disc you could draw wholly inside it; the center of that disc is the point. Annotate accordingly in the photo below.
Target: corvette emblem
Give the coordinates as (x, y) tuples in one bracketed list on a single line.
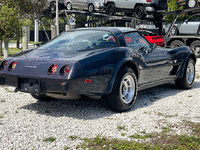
[(31, 66)]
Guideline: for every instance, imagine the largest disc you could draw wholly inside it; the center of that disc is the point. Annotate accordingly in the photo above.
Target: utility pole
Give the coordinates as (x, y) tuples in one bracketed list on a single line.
[(57, 21), (36, 39)]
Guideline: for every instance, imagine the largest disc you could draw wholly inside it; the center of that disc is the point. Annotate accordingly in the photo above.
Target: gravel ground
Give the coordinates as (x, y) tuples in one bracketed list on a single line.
[(26, 122)]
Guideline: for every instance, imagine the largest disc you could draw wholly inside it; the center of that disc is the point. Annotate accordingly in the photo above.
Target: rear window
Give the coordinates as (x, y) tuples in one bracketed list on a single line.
[(81, 40)]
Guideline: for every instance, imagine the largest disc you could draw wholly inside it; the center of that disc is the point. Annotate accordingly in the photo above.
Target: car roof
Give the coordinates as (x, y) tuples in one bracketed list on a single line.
[(111, 29)]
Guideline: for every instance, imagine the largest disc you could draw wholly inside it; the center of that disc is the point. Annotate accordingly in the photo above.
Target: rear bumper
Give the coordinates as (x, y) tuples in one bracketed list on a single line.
[(98, 87)]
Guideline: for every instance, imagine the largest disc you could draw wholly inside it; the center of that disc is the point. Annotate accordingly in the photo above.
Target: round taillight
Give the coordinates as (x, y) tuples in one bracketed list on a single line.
[(54, 68), (12, 66), (66, 69), (4, 64)]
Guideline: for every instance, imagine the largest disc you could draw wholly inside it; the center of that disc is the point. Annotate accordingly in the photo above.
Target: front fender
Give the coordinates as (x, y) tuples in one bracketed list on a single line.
[(185, 53)]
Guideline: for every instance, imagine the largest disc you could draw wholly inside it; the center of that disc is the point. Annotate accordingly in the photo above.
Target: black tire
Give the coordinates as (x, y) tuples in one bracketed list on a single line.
[(53, 6), (69, 6), (140, 12), (191, 3), (91, 8), (174, 31), (195, 46), (41, 97), (115, 100), (176, 43), (187, 80), (110, 9)]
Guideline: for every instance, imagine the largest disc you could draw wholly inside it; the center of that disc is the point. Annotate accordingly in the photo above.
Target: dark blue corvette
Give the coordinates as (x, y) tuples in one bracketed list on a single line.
[(95, 62)]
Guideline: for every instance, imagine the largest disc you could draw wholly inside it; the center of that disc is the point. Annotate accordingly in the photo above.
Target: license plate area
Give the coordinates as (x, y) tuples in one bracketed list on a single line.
[(29, 85)]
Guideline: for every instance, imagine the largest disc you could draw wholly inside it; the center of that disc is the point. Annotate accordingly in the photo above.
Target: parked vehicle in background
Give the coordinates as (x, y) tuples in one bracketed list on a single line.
[(51, 4), (140, 8), (89, 5), (187, 27), (153, 37), (189, 3)]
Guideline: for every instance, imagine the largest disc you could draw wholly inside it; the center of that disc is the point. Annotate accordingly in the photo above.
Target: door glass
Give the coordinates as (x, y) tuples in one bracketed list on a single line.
[(136, 41)]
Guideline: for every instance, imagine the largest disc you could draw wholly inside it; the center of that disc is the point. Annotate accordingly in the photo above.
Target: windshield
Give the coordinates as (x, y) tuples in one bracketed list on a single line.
[(81, 40)]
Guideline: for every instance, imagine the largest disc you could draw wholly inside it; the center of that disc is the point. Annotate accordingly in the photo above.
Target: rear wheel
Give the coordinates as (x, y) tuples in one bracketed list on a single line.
[(124, 91), (41, 97), (192, 3), (195, 46), (110, 9), (176, 44), (140, 12), (188, 77), (53, 6)]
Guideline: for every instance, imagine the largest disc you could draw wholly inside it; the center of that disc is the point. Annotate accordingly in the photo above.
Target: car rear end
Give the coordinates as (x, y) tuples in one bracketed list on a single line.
[(153, 7)]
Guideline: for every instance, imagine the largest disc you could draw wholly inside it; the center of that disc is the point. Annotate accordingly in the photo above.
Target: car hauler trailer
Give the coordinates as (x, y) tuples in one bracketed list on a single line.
[(193, 41)]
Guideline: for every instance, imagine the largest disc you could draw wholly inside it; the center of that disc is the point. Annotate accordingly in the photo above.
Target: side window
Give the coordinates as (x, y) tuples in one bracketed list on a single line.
[(135, 41), (195, 18), (106, 40)]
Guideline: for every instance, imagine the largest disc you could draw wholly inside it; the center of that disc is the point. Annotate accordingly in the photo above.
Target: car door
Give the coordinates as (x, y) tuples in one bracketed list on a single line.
[(190, 26), (126, 4), (156, 63)]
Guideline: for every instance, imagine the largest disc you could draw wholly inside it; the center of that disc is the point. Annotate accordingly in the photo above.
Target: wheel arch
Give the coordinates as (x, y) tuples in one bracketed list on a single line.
[(136, 5), (118, 68), (110, 2), (191, 55)]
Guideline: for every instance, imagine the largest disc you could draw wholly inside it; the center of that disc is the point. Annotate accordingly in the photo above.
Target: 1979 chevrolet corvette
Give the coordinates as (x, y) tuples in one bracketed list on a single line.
[(110, 62)]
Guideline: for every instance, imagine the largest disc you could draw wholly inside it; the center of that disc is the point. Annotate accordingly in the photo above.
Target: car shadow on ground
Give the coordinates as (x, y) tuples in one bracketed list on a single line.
[(89, 109)]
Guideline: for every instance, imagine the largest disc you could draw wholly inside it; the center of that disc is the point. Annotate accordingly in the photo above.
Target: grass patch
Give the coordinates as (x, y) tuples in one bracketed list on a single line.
[(8, 90), (66, 147), (121, 128), (10, 52), (197, 76), (3, 100), (1, 116), (49, 139), (156, 141), (73, 137)]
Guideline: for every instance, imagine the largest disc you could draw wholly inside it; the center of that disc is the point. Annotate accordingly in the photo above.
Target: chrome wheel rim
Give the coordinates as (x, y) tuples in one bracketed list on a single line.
[(69, 6), (190, 72), (191, 3), (127, 89), (91, 8)]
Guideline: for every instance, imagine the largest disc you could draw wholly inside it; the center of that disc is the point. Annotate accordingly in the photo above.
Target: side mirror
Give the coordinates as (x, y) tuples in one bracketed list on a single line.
[(143, 50), (153, 46), (186, 20)]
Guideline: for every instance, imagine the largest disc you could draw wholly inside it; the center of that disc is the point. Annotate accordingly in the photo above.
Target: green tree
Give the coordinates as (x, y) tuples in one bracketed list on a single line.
[(9, 22), (172, 7)]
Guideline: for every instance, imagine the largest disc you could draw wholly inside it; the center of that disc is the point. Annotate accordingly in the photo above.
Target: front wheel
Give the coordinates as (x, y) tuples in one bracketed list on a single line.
[(69, 6), (188, 77), (124, 91), (91, 8)]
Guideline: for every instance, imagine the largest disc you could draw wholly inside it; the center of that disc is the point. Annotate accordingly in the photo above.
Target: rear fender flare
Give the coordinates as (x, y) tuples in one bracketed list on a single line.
[(121, 64)]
